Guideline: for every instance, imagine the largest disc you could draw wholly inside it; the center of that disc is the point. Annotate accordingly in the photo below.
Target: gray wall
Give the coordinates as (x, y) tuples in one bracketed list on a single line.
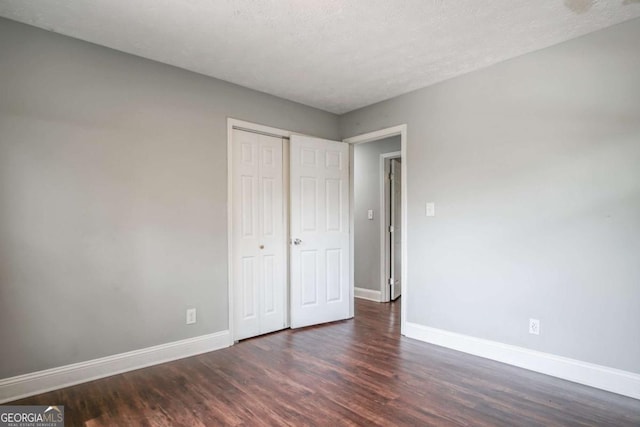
[(534, 166), (367, 196), (113, 197)]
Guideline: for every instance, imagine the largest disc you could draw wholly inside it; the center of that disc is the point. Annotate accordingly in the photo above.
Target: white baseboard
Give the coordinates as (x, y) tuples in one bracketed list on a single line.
[(51, 379), (602, 377), (368, 294)]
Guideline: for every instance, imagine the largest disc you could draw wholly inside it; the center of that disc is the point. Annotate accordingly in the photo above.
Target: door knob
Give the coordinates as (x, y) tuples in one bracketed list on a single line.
[(297, 241), (261, 246)]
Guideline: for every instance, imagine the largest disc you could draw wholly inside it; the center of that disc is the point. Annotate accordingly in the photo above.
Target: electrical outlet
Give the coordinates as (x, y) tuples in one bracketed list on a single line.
[(534, 326), (191, 316)]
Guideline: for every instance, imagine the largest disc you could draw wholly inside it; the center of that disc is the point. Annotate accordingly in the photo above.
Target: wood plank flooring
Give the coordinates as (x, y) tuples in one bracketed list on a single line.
[(356, 372)]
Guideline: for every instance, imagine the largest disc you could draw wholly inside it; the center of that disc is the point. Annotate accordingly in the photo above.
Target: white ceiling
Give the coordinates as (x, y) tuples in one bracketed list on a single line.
[(330, 54)]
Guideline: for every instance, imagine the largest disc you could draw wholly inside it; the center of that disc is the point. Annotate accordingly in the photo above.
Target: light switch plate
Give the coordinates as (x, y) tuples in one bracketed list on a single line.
[(191, 316), (431, 209), (370, 214)]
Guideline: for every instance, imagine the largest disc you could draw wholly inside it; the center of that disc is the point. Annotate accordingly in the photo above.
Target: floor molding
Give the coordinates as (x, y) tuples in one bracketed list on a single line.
[(367, 294), (51, 379), (602, 377)]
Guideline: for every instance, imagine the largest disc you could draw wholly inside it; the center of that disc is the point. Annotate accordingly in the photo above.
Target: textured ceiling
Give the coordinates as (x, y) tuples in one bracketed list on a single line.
[(330, 54)]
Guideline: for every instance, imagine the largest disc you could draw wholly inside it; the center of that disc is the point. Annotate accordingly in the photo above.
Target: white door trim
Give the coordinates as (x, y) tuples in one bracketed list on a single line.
[(231, 124), (360, 139), (385, 256)]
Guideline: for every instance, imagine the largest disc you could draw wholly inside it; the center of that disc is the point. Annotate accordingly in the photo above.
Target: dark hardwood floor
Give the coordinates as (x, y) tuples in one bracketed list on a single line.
[(356, 372)]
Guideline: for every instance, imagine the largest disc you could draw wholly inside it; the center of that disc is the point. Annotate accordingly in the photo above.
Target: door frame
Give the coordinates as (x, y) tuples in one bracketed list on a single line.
[(282, 133), (368, 137), (385, 240)]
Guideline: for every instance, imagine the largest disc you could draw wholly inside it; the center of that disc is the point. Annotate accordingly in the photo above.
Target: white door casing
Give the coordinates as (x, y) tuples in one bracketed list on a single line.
[(319, 221), (258, 233), (400, 130), (396, 228)]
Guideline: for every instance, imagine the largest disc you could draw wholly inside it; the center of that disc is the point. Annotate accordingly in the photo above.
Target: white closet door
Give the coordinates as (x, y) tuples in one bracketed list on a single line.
[(319, 177), (259, 245)]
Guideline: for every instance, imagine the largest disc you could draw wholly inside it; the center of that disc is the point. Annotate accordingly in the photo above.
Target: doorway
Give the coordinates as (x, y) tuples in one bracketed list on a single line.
[(373, 220), (401, 263)]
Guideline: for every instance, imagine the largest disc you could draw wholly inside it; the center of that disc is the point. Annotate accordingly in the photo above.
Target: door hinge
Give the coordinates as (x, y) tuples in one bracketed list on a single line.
[(390, 281), (390, 177), (391, 229)]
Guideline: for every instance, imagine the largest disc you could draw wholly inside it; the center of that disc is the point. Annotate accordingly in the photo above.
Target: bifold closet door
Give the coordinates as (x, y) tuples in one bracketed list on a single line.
[(319, 198), (259, 241)]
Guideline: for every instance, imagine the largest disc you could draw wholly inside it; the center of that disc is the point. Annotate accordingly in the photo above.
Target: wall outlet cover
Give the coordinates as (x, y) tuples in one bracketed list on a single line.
[(534, 326)]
